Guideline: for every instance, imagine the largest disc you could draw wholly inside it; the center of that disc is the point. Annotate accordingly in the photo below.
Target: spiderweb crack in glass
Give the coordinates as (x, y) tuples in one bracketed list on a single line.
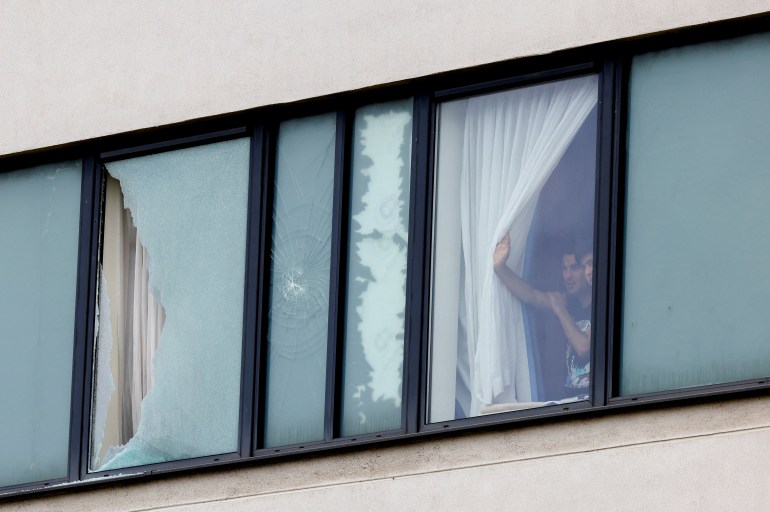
[(300, 273), (299, 280), (301, 257)]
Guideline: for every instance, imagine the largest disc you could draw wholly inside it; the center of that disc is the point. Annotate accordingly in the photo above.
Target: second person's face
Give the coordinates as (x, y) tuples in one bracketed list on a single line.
[(587, 262)]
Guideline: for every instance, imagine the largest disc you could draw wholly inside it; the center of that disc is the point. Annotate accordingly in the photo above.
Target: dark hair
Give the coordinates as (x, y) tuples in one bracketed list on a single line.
[(578, 250), (582, 249), (579, 246)]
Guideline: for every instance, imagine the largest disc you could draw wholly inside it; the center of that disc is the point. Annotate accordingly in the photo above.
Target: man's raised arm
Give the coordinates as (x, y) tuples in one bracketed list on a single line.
[(518, 287)]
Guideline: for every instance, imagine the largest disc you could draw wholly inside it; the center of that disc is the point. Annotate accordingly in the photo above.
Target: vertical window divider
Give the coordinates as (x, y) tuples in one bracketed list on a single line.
[(417, 299), (426, 291), (602, 228), (88, 271), (251, 294), (264, 189), (617, 235), (335, 337)]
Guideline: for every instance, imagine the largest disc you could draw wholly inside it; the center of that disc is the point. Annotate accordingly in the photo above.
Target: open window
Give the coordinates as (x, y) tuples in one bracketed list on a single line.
[(513, 249)]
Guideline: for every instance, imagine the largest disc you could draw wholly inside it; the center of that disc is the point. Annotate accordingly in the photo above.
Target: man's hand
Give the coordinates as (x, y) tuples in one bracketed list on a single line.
[(518, 287), (502, 250), (558, 302), (580, 341)]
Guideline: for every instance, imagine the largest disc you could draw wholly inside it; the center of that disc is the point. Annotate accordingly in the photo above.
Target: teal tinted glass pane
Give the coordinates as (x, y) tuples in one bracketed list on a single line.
[(39, 219), (697, 237), (376, 280), (170, 306), (299, 281)]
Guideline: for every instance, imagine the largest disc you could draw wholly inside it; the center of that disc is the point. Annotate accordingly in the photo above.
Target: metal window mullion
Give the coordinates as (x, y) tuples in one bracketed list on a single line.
[(85, 316), (602, 230), (251, 296), (617, 236), (418, 272), (337, 281), (266, 185)]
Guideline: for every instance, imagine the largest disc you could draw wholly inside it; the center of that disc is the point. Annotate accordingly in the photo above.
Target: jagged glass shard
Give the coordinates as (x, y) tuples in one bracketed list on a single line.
[(188, 208), (39, 221), (105, 383), (299, 280), (376, 281)]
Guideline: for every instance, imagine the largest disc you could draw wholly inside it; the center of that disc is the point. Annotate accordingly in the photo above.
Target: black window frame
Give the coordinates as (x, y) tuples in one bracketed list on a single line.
[(611, 61), (97, 214), (719, 31), (337, 297), (605, 72)]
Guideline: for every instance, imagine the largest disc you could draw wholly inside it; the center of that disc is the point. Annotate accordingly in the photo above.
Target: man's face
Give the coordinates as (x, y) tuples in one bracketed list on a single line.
[(573, 274), (588, 265)]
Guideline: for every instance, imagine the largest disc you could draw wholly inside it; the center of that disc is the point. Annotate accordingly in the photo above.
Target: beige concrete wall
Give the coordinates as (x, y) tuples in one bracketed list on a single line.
[(710, 457), (79, 69)]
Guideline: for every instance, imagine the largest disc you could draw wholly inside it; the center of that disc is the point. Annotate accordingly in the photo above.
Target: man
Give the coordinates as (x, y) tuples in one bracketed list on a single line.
[(571, 307)]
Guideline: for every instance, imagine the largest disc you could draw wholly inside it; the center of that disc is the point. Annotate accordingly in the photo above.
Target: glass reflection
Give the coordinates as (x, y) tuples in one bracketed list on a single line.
[(376, 281)]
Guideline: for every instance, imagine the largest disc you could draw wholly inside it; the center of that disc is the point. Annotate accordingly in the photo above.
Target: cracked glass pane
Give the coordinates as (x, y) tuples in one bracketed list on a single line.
[(170, 307), (39, 223), (376, 281), (299, 281)]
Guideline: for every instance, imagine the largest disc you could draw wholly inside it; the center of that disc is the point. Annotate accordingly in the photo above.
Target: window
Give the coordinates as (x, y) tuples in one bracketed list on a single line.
[(695, 273), (39, 208), (558, 234), (300, 276), (170, 302), (349, 313), (513, 249), (375, 284)]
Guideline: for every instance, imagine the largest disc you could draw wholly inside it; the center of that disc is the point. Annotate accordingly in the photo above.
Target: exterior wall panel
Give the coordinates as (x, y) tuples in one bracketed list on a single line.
[(696, 458), (77, 70)]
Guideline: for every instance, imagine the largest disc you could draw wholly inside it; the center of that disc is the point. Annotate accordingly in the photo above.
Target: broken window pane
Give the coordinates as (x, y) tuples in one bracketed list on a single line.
[(170, 306), (376, 281), (299, 281), (39, 222)]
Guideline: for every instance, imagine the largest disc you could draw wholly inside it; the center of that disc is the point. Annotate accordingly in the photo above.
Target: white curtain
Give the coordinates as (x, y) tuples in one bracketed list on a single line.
[(135, 321), (147, 318), (512, 142)]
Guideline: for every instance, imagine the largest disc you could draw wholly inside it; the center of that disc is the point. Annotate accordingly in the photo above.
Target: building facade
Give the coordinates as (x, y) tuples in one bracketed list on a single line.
[(260, 280)]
